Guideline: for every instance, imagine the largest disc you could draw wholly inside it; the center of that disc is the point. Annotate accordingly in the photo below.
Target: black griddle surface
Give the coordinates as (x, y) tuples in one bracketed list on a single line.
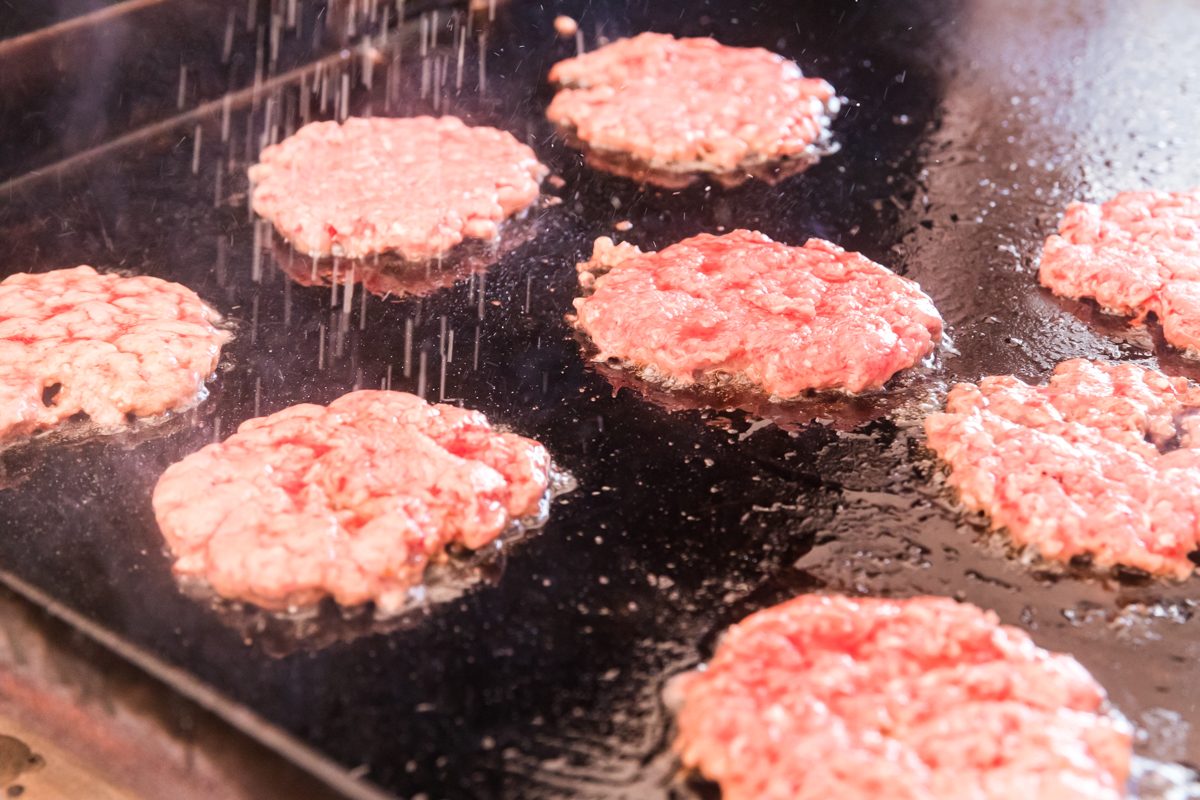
[(970, 126)]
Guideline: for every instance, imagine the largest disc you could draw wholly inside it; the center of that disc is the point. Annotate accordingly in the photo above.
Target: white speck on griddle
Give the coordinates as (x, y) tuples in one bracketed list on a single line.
[(256, 254), (368, 63), (227, 47), (254, 320), (321, 347), (222, 259), (462, 52), (218, 182), (276, 33), (348, 292), (483, 60), (408, 347)]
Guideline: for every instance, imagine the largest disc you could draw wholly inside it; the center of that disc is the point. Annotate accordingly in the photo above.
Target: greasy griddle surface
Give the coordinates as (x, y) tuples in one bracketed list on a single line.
[(547, 680)]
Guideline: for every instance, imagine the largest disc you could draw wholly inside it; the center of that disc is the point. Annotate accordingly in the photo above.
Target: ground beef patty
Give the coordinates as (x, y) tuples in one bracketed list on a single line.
[(74, 341), (664, 109), (922, 699), (352, 500), (1137, 253), (740, 309), (414, 186), (1102, 462)]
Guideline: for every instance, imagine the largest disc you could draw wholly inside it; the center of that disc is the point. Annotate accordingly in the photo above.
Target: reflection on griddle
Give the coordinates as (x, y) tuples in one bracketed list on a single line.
[(314, 628), (770, 171), (391, 275), (20, 458), (837, 410)]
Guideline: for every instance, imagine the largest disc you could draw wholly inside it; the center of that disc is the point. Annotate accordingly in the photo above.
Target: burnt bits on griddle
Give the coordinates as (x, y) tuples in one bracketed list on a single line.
[(353, 500), (1138, 253), (77, 345), (740, 311), (665, 111), (1101, 463)]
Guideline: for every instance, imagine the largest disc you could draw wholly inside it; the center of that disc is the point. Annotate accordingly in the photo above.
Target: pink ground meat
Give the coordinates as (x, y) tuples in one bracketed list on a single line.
[(690, 102), (75, 341), (414, 186), (825, 698), (1086, 465), (352, 500), (784, 319), (1137, 253)]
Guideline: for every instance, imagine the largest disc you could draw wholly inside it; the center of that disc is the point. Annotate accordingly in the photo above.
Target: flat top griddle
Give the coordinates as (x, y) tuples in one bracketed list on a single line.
[(970, 126)]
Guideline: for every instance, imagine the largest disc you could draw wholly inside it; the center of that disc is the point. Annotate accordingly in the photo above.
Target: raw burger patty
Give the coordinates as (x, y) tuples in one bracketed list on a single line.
[(1137, 253), (1101, 461), (825, 698), (692, 105), (416, 186), (353, 500), (742, 307), (74, 341)]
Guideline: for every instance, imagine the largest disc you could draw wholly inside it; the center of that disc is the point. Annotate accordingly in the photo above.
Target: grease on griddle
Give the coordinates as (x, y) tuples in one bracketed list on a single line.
[(390, 275)]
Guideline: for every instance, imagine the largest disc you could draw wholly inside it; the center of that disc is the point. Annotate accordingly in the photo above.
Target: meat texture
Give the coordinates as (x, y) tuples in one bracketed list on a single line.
[(1102, 461), (414, 186), (691, 105), (352, 500), (921, 699), (1137, 253), (74, 341), (741, 308)]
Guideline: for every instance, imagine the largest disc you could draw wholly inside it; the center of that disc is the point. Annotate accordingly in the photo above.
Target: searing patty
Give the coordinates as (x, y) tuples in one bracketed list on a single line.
[(921, 699), (416, 187), (352, 500), (742, 310), (1137, 253), (76, 342), (1100, 462), (666, 110)]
